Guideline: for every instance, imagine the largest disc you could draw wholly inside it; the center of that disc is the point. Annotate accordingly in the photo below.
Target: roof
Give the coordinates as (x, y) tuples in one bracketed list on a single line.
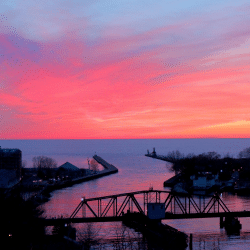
[(173, 180), (68, 166), (10, 150)]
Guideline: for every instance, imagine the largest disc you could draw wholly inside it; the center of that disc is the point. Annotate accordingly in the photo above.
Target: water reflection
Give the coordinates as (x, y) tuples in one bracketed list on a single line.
[(221, 241)]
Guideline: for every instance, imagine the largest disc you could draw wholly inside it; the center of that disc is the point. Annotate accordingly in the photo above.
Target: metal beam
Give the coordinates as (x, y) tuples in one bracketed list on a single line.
[(173, 199)]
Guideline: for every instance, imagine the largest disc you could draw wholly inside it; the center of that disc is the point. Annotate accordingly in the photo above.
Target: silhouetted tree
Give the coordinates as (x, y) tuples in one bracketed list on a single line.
[(89, 235), (44, 166), (245, 153), (174, 156), (125, 238), (210, 156), (43, 162)]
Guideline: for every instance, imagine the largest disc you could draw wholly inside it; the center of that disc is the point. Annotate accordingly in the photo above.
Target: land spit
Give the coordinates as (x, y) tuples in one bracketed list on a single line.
[(108, 169), (41, 194)]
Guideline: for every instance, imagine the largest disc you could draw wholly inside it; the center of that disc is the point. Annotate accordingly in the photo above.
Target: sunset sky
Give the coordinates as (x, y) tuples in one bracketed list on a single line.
[(109, 69)]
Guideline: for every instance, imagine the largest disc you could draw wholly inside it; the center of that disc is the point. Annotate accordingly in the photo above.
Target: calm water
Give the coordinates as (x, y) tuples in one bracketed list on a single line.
[(137, 172)]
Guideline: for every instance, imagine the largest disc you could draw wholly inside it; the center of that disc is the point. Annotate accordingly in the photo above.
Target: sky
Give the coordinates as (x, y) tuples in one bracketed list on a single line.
[(124, 69)]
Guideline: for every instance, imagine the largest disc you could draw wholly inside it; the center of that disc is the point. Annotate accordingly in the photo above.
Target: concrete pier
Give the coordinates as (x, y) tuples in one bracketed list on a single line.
[(108, 169), (159, 157)]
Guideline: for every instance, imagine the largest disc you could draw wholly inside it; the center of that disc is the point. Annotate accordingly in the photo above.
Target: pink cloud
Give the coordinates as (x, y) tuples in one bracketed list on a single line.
[(129, 87)]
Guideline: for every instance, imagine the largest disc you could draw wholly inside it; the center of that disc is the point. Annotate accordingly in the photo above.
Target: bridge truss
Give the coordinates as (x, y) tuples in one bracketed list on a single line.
[(176, 204)]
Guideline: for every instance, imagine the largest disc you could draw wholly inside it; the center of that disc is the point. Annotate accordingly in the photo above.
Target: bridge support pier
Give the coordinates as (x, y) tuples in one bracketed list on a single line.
[(232, 225), (221, 222), (191, 242)]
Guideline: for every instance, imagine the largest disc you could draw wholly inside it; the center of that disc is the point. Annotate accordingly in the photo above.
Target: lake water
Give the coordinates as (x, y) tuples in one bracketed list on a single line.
[(137, 172)]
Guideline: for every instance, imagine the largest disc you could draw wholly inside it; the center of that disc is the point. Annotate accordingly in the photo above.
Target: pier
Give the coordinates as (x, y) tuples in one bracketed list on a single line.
[(159, 157), (108, 169)]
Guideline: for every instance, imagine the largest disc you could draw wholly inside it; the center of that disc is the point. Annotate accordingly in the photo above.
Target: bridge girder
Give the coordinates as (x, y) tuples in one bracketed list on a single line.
[(175, 203), (177, 206)]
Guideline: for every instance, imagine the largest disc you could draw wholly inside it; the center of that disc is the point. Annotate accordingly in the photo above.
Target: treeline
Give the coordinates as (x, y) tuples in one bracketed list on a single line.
[(211, 162), (47, 166)]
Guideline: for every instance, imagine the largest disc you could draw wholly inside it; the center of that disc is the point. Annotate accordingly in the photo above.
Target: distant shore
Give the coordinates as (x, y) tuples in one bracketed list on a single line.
[(207, 172)]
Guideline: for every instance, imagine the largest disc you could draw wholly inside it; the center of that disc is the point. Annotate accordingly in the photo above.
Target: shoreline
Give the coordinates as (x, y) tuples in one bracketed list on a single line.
[(42, 196), (180, 183), (108, 170)]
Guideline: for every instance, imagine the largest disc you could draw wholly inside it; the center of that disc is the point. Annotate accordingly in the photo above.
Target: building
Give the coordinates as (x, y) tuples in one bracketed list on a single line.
[(69, 170), (68, 167), (204, 180), (10, 158), (10, 167)]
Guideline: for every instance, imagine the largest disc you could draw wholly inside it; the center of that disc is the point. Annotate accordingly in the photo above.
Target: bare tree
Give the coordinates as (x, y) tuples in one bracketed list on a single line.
[(210, 155), (37, 161), (126, 238), (228, 155), (44, 166), (245, 153), (24, 164), (43, 162), (174, 156), (89, 236), (94, 166)]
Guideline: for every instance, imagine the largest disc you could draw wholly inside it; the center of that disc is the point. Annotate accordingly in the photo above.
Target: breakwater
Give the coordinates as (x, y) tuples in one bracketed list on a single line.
[(108, 169), (159, 157)]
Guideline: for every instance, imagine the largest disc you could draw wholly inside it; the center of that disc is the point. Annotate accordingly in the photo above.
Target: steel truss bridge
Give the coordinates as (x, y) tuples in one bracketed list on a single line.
[(177, 206)]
